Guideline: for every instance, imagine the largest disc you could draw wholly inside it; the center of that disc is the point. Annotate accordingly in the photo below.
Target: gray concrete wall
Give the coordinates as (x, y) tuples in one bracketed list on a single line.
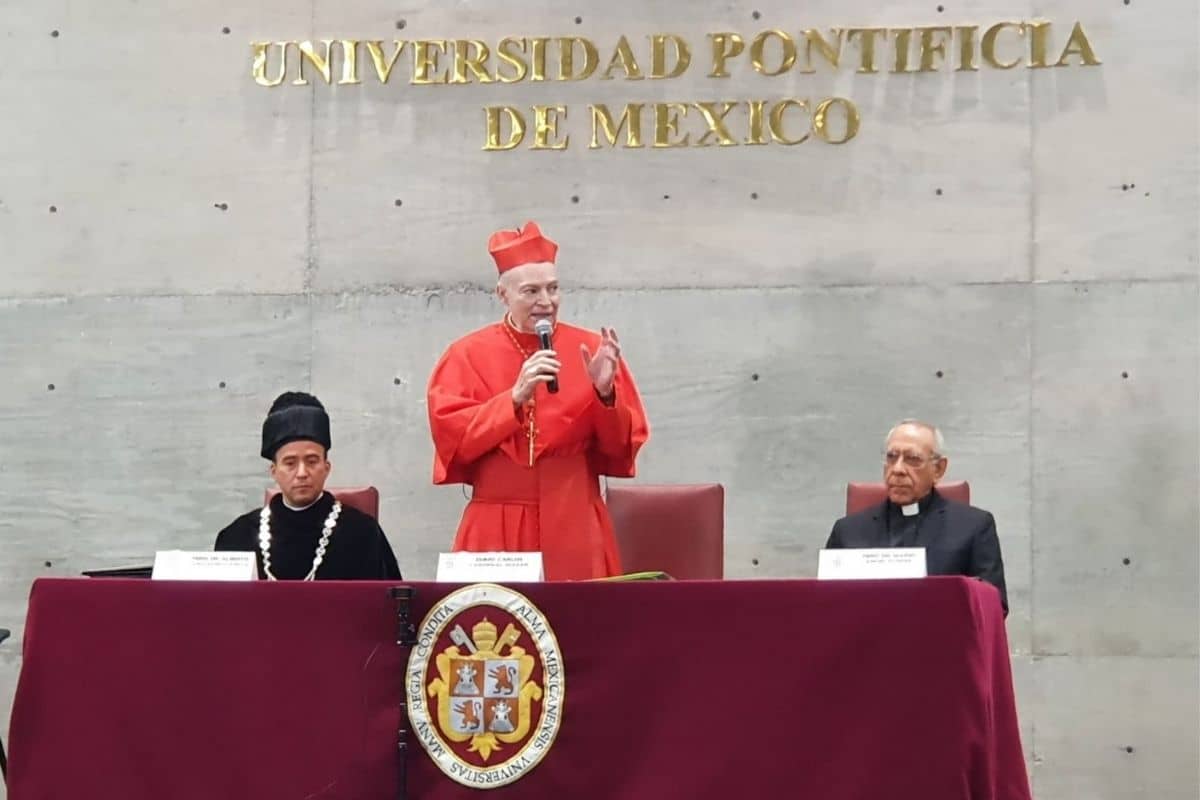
[(1012, 254)]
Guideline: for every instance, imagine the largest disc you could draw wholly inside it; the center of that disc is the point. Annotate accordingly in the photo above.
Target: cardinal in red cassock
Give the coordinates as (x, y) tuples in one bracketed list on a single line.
[(532, 429)]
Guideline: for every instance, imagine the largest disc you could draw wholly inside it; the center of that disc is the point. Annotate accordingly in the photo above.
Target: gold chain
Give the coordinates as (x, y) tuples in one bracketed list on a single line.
[(531, 405)]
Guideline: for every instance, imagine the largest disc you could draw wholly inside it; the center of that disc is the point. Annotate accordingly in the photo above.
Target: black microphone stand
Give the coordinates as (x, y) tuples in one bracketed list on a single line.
[(406, 636)]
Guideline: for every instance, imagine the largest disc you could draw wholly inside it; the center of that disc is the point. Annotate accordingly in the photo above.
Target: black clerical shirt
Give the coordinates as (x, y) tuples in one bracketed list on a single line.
[(902, 530), (958, 539)]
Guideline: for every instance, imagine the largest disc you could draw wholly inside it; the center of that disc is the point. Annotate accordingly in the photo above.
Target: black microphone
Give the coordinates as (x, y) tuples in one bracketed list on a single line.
[(542, 328)]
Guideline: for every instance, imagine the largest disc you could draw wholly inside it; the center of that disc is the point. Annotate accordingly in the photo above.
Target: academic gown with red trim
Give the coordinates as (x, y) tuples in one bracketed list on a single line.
[(480, 439)]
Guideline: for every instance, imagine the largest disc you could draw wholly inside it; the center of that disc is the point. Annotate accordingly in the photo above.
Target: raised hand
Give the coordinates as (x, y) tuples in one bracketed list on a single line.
[(602, 366)]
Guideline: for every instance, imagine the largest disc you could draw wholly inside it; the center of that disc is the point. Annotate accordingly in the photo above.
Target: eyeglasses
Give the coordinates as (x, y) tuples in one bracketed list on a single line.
[(914, 460)]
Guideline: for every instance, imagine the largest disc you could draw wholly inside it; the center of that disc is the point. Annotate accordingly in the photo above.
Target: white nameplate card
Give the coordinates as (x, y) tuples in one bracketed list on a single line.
[(184, 565), (463, 567), (871, 563)]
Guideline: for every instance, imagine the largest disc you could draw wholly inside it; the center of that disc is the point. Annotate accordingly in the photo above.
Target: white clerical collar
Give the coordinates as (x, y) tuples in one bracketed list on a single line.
[(291, 507), (911, 510)]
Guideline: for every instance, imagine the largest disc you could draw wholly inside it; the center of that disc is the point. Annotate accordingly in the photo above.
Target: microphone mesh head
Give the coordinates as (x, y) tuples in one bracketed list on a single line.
[(543, 326)]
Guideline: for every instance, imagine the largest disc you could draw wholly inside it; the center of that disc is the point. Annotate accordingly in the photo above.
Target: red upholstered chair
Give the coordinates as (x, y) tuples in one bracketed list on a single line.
[(4, 634), (678, 529), (364, 498), (860, 496)]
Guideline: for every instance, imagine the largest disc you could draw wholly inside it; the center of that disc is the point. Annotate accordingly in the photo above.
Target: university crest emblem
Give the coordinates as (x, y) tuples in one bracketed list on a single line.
[(485, 685)]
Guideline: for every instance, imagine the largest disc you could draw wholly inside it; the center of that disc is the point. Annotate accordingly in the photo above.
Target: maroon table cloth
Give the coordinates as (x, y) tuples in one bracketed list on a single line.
[(897, 690)]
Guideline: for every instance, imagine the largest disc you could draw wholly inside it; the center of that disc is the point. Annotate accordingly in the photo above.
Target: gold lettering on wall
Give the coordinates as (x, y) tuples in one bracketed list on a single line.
[(787, 47), (566, 58), (829, 49), (902, 40), (1078, 45), (496, 116), (850, 115), (603, 123), (623, 56), (666, 124), (349, 63), (1038, 35), (258, 68), (724, 47), (714, 116), (507, 53), (538, 50), (1002, 45), (383, 65), (319, 60), (757, 132), (866, 46), (775, 122), (697, 122), (988, 47), (933, 47), (966, 48), (545, 128), (471, 55), (425, 61), (658, 56)]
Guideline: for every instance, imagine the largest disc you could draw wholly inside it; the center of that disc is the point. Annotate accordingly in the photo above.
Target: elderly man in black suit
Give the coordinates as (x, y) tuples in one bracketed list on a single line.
[(958, 539)]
